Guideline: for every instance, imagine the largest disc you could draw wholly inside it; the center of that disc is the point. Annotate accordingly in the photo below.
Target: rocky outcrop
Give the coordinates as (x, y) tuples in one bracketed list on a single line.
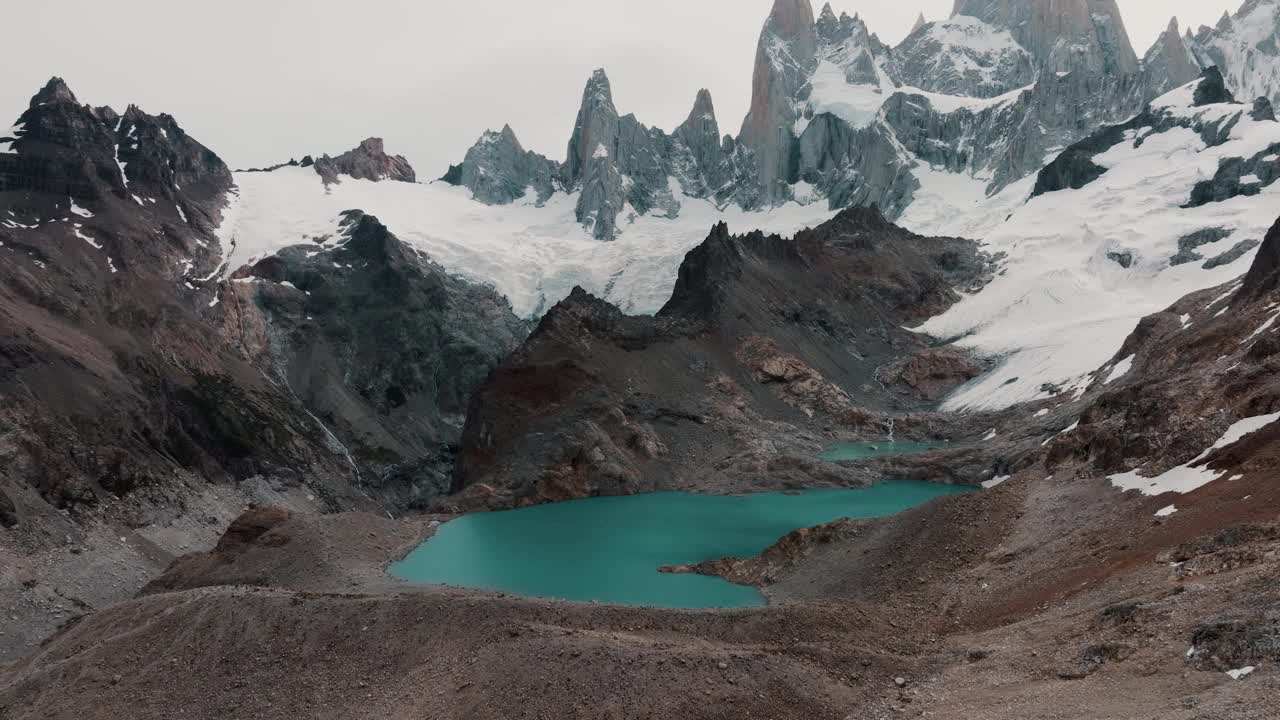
[(1076, 35), (1235, 177), (777, 559), (368, 161), (1263, 278), (1169, 63), (383, 345), (619, 167), (60, 147), (765, 341), (964, 56), (786, 56), (143, 391), (1074, 167), (498, 170), (703, 173)]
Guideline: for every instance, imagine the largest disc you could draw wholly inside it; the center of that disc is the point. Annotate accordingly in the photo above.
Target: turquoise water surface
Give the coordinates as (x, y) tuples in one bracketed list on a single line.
[(609, 549)]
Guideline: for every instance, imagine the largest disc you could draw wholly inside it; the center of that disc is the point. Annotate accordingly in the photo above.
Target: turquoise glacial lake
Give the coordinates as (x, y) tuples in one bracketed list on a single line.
[(609, 549)]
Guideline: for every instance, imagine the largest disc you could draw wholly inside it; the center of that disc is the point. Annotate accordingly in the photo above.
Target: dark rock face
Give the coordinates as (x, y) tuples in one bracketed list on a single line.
[(761, 333), (1264, 275), (1187, 245), (382, 345), (786, 56), (368, 161), (1238, 176), (1236, 252), (1230, 645), (130, 370), (102, 312), (498, 170), (8, 512), (65, 148), (1169, 63), (1212, 88), (1263, 110), (1053, 30), (1074, 167)]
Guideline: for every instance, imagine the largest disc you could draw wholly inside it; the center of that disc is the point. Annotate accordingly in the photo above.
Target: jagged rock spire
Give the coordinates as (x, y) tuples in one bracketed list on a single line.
[(55, 90), (700, 133), (596, 127), (1169, 63), (498, 170), (920, 22), (704, 110), (785, 58)]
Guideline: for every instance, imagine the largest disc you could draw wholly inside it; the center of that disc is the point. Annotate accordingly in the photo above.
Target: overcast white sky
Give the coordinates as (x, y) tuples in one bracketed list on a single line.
[(260, 81)]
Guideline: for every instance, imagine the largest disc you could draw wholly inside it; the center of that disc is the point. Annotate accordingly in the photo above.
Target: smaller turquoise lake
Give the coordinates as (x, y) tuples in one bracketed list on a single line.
[(609, 549), (864, 450)]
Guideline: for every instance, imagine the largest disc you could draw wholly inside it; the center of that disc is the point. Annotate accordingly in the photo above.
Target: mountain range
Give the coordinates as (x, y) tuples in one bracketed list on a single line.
[(228, 394), (838, 116)]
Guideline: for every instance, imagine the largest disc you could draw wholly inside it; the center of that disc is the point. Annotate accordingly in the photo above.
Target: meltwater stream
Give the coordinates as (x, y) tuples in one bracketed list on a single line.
[(609, 549)]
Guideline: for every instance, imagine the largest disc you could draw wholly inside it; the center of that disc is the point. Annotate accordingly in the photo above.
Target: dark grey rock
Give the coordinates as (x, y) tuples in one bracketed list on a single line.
[(1236, 252), (1123, 259), (385, 346), (923, 62), (1230, 179), (1187, 244), (1070, 35), (1235, 644), (1169, 63), (786, 57), (368, 161), (1212, 88), (8, 512), (498, 170), (1263, 110), (1264, 274)]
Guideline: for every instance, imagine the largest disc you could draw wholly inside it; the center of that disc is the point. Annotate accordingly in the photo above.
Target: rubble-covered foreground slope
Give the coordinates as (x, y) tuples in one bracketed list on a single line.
[(1054, 595)]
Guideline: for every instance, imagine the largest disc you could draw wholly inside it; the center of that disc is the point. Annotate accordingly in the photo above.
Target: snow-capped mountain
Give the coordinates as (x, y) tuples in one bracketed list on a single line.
[(838, 116), (1118, 226), (1246, 47), (1170, 63), (981, 165)]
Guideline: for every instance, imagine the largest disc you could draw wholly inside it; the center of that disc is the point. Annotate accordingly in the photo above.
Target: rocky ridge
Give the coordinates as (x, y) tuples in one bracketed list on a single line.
[(767, 349), (840, 117), (148, 400)]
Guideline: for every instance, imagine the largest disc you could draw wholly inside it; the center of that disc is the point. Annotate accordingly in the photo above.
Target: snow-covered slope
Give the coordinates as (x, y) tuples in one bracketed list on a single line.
[(1246, 47), (534, 255), (964, 56), (1082, 266)]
